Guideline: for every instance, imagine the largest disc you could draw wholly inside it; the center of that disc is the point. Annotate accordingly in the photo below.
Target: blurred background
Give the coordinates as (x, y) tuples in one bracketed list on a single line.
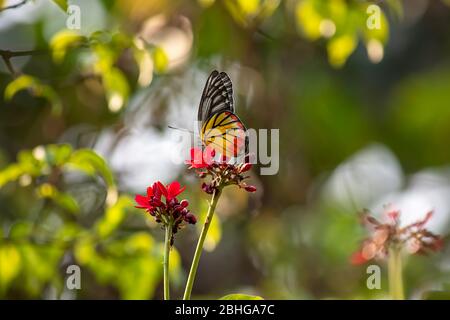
[(88, 88)]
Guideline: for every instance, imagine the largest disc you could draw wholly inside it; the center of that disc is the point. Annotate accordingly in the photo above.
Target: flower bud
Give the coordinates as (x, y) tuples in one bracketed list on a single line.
[(201, 174), (184, 212), (250, 188), (207, 188), (245, 167), (184, 203), (172, 202), (190, 218)]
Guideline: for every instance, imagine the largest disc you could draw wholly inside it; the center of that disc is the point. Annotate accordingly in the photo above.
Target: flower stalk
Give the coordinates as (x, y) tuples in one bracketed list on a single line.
[(201, 240), (167, 240), (161, 202), (395, 273), (221, 173), (389, 240)]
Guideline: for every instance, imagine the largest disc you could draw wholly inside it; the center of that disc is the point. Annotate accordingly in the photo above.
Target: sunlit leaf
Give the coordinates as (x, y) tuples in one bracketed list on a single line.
[(130, 264), (140, 242), (10, 264), (62, 199), (246, 12), (62, 4), (58, 154), (240, 296), (84, 250), (40, 261), (68, 232), (20, 230), (10, 173), (20, 83), (308, 19), (380, 33), (63, 41), (91, 163), (340, 48), (37, 88), (117, 89), (138, 278), (160, 60), (114, 215)]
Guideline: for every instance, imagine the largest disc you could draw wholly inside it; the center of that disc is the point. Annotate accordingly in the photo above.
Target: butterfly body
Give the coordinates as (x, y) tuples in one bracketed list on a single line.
[(220, 128)]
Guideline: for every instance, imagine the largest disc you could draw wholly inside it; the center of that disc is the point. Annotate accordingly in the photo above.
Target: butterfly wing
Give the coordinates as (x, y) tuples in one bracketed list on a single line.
[(217, 96), (225, 133)]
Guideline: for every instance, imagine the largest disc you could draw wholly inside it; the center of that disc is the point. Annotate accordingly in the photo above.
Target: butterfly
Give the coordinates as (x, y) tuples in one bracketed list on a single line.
[(219, 127)]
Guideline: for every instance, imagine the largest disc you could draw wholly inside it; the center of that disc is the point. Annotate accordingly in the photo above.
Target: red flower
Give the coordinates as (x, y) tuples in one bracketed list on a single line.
[(201, 159), (174, 189), (358, 258), (150, 201), (222, 172), (171, 211), (413, 237)]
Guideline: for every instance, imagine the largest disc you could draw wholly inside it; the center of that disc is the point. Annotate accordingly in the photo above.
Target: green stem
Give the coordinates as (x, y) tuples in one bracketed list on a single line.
[(199, 248), (395, 274), (166, 261)]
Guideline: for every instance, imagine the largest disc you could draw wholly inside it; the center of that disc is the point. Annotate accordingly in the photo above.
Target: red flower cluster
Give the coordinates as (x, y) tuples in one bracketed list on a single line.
[(169, 212), (414, 237), (221, 172)]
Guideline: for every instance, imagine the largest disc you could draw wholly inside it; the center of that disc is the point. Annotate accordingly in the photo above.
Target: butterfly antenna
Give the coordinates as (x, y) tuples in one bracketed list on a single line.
[(182, 129)]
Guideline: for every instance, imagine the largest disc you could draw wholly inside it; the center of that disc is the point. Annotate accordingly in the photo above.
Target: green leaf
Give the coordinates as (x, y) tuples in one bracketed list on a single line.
[(37, 88), (117, 89), (381, 34), (436, 295), (308, 19), (240, 296), (18, 84), (64, 200), (340, 48), (21, 230), (91, 163), (58, 154), (160, 60), (62, 41), (114, 215), (62, 4), (10, 264), (10, 173)]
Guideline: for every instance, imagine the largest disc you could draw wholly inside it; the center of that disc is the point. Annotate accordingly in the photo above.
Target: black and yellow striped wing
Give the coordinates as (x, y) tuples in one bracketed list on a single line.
[(225, 133), (220, 128), (217, 96)]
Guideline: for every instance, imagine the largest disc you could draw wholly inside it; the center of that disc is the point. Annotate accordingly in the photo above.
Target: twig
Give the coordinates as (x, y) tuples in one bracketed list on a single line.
[(12, 54), (13, 6), (8, 54)]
